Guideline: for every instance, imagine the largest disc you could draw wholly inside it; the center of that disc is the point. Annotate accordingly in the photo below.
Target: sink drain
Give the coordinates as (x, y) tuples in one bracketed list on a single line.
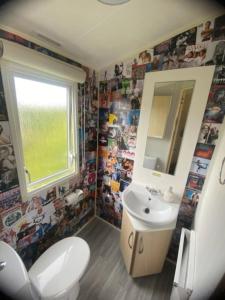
[(147, 210)]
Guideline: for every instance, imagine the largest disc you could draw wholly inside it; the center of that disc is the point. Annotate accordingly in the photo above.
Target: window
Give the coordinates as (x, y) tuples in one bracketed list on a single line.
[(42, 108)]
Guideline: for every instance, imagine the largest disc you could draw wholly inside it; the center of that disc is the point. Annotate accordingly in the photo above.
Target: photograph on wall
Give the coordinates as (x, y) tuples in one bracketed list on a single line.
[(39, 220), (205, 31), (204, 151), (104, 87), (103, 152), (219, 75), (135, 102), (102, 139), (106, 74), (103, 114), (11, 216), (209, 133), (4, 133), (215, 109), (219, 28), (58, 214), (195, 181), (192, 197), (116, 175), (92, 120), (129, 135), (162, 48), (90, 139), (107, 194), (101, 166), (104, 99), (127, 68), (199, 165), (63, 189), (113, 118), (217, 96), (91, 165), (195, 55), (91, 177), (116, 95), (144, 58), (123, 185), (213, 113), (138, 71), (122, 118), (130, 154), (215, 53), (51, 195), (121, 143), (9, 236), (112, 146), (126, 87), (125, 104), (115, 84), (88, 156), (114, 132), (118, 202), (118, 70), (127, 169), (172, 59), (8, 171), (137, 87), (184, 39), (114, 107), (109, 168), (107, 180), (115, 186), (10, 199), (133, 117), (103, 127)]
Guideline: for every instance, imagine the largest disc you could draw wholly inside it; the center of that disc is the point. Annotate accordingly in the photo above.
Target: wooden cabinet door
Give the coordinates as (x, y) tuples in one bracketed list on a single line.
[(127, 241), (150, 254)]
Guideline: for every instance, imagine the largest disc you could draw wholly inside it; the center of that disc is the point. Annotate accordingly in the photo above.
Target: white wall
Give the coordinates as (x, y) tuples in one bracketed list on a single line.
[(210, 229)]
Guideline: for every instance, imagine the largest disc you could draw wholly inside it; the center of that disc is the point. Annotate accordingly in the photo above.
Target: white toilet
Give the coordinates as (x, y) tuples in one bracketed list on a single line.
[(55, 275)]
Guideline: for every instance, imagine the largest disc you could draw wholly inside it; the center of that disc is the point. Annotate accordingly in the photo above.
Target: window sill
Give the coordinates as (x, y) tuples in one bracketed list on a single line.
[(35, 191)]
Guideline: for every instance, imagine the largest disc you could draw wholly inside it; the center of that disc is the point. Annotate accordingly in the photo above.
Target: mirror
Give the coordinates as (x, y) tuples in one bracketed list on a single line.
[(172, 109), (166, 125)]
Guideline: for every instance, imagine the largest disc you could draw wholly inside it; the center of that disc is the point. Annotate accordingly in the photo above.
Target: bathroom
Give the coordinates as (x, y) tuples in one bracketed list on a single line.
[(125, 169)]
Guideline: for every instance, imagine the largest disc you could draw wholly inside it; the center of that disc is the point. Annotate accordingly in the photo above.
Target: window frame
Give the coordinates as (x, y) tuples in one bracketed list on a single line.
[(9, 70)]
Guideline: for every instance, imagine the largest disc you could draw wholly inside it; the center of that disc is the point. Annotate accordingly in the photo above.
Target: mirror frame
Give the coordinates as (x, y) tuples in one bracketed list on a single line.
[(203, 80)]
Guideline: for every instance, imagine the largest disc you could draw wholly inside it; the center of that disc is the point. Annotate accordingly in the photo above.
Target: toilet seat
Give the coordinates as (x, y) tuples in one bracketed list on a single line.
[(60, 267)]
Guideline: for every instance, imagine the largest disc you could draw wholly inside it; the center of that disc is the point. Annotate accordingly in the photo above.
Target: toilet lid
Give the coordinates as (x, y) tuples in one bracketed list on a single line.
[(60, 267)]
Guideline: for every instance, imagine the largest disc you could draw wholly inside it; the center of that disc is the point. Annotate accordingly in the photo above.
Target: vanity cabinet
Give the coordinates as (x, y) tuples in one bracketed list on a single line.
[(144, 251)]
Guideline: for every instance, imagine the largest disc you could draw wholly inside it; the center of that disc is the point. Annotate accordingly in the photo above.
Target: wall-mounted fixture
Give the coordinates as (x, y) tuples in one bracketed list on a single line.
[(113, 2)]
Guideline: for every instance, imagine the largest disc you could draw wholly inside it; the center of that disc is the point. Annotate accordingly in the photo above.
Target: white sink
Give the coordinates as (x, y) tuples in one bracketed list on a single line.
[(154, 212)]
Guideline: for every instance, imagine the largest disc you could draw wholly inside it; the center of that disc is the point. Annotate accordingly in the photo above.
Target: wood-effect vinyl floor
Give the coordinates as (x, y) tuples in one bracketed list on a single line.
[(106, 277)]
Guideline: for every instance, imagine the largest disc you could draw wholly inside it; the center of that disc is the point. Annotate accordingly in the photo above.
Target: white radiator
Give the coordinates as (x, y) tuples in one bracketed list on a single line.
[(183, 279)]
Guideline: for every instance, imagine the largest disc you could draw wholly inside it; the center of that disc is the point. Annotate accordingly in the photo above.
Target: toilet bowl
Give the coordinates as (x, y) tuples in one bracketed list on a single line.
[(55, 275)]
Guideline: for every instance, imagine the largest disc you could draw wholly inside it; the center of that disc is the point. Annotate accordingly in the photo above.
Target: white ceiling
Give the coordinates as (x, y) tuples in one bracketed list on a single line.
[(98, 35)]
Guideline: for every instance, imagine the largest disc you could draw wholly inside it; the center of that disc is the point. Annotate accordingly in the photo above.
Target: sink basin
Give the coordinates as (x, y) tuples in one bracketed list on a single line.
[(154, 212)]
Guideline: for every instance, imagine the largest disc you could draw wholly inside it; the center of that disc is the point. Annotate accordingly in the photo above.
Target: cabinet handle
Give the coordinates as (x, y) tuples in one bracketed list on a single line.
[(141, 246), (129, 238)]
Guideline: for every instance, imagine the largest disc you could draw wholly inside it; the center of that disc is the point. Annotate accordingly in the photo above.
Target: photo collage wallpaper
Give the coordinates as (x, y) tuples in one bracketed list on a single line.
[(120, 93), (33, 225)]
